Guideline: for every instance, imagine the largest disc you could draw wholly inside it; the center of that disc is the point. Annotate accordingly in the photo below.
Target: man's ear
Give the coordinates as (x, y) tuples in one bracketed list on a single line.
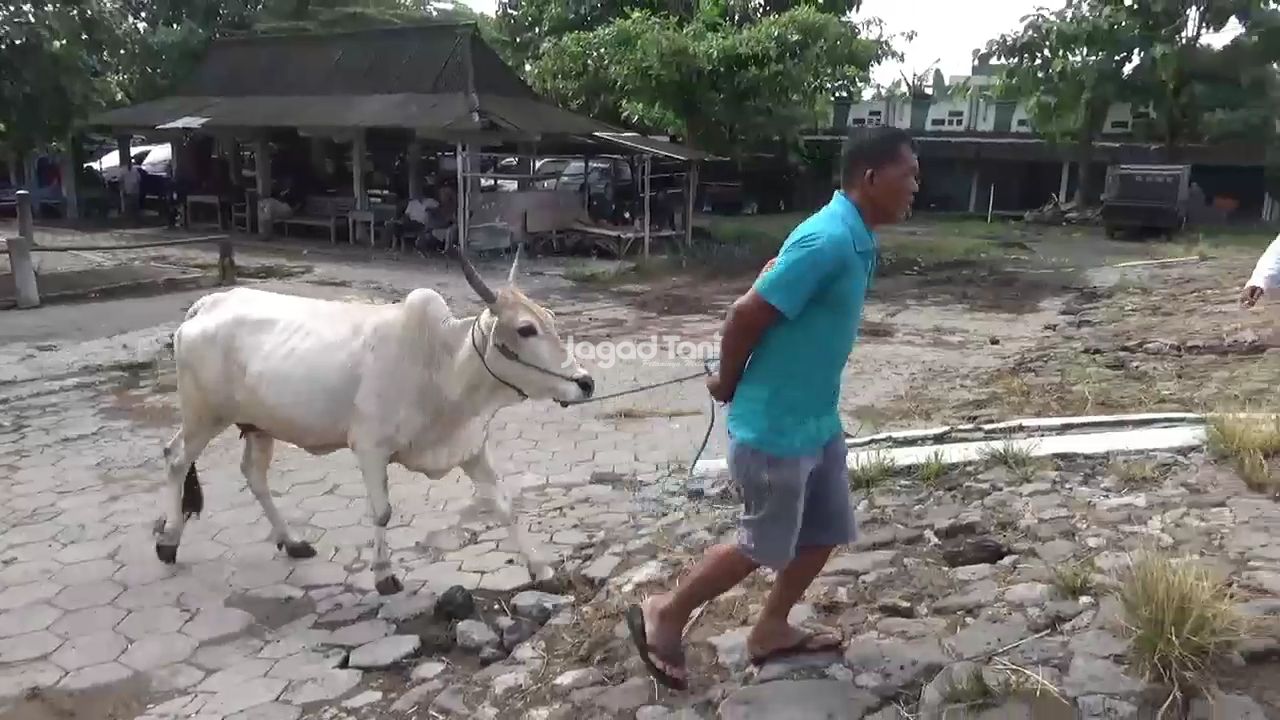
[(869, 176)]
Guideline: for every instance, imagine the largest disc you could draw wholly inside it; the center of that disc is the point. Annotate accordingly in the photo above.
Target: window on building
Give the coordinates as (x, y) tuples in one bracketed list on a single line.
[(937, 122), (1119, 124), (955, 113), (858, 122), (1141, 115), (1022, 122)]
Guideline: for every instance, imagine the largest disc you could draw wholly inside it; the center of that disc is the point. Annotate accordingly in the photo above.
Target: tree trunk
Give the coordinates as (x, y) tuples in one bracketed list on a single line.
[(1084, 161)]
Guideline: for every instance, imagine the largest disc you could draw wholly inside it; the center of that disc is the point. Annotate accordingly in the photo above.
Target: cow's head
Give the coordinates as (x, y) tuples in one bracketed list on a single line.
[(524, 349)]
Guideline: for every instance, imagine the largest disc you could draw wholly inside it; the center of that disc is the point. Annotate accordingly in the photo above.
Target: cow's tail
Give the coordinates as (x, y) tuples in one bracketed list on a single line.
[(192, 495)]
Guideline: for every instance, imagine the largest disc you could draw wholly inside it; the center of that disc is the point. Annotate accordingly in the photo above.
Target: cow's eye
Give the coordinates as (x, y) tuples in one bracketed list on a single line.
[(527, 330)]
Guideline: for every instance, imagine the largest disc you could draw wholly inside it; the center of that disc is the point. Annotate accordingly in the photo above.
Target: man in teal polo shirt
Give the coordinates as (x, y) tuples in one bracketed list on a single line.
[(796, 327)]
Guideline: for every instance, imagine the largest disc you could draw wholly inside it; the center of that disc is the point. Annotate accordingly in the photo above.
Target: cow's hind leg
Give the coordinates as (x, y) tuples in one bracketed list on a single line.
[(185, 497), (258, 447), (373, 467), (491, 492)]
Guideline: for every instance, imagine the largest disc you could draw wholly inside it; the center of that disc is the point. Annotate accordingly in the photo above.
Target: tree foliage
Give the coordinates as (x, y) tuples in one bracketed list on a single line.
[(721, 83)]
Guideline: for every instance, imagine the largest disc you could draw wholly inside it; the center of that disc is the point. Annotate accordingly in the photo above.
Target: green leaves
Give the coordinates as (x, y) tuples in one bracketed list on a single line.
[(725, 86)]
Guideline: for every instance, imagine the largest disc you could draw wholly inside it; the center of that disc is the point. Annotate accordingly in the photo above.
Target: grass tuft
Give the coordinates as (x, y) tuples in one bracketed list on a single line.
[(1013, 456), (873, 472), (1137, 474), (1249, 443), (1180, 621), (932, 469), (1075, 580)]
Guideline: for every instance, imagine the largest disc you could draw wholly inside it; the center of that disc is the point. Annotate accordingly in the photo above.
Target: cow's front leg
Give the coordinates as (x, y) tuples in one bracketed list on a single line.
[(491, 490), (373, 467)]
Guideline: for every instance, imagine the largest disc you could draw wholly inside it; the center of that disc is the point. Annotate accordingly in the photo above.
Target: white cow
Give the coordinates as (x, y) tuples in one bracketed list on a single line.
[(407, 383)]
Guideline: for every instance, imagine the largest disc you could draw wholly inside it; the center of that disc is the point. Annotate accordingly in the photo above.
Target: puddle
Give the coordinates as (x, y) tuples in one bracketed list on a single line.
[(273, 613), (122, 700)]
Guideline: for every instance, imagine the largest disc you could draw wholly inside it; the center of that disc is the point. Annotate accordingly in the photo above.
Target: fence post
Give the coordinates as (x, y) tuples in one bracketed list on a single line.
[(24, 273), (226, 262)]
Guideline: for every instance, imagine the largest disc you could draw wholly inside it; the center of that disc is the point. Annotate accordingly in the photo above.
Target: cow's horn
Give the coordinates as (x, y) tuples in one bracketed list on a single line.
[(515, 265), (474, 280)]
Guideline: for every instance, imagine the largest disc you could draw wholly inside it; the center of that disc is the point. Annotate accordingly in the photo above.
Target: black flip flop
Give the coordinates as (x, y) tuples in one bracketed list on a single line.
[(800, 647), (635, 623)]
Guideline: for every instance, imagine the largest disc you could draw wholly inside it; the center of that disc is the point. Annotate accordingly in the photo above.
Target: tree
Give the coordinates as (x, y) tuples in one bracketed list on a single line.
[(1183, 79), (719, 84), (58, 60), (1069, 66)]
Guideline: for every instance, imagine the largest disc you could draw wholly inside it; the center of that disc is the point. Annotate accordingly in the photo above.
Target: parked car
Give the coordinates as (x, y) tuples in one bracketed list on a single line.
[(154, 160)]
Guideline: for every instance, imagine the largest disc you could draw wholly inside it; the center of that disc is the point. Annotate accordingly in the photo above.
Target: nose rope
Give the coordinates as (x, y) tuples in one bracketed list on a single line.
[(507, 353)]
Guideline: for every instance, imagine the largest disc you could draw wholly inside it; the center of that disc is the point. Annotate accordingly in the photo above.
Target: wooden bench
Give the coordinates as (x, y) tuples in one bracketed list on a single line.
[(323, 212)]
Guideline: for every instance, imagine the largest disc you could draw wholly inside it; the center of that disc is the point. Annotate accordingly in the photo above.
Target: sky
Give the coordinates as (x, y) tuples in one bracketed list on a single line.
[(947, 32)]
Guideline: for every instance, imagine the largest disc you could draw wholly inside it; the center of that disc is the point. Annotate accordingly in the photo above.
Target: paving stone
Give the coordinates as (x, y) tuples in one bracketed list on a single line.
[(156, 651), (85, 650), (141, 623), (218, 622), (428, 670), (602, 568), (29, 646), (229, 678), (250, 693), (506, 579), (986, 636), (475, 635), (539, 606), (360, 633), (16, 679), (578, 679), (306, 663), (269, 711), (27, 619), (179, 676), (797, 700), (96, 675), (896, 664), (407, 606), (384, 652), (1097, 676), (321, 687), (1029, 593), (78, 597), (31, 592)]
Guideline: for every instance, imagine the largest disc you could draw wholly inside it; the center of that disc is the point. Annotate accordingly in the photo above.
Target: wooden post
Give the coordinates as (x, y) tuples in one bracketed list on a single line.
[(358, 149), (262, 166), (24, 273), (647, 184), (415, 167), (125, 152), (460, 155), (973, 189), (689, 201), (70, 163), (991, 203)]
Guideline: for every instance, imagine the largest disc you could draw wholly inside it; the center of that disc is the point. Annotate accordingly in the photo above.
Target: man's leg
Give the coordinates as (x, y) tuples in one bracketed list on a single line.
[(773, 491), (827, 523)]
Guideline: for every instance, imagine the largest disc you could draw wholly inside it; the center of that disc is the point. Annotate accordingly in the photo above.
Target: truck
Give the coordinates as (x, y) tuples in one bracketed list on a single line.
[(1140, 198)]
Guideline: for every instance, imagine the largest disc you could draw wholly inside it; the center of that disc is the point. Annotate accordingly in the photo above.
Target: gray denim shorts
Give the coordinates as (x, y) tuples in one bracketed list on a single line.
[(792, 502)]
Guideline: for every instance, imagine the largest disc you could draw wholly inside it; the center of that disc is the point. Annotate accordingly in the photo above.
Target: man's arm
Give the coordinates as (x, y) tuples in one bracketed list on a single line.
[(1265, 275), (782, 290)]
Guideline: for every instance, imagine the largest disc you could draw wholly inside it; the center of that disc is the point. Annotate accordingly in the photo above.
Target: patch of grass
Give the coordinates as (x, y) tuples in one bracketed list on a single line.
[(969, 689), (1180, 621), (1249, 443), (1075, 580), (932, 469), (873, 472), (1137, 474), (1015, 457)]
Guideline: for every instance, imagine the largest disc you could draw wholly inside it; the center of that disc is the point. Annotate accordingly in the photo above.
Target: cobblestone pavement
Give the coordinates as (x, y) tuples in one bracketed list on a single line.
[(84, 602), (235, 630)]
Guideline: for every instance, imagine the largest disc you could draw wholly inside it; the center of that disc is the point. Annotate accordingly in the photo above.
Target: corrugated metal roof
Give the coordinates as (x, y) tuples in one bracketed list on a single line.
[(423, 77), (644, 143)]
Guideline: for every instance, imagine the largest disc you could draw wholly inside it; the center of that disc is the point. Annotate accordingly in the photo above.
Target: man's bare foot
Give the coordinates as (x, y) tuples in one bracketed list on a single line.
[(665, 636), (769, 640)]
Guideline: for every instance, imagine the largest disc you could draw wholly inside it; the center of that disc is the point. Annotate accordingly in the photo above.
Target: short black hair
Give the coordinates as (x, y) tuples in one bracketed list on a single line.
[(872, 149)]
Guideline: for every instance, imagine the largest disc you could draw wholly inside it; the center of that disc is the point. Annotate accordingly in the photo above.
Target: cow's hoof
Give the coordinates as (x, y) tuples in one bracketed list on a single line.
[(389, 585), (300, 550), (168, 554)]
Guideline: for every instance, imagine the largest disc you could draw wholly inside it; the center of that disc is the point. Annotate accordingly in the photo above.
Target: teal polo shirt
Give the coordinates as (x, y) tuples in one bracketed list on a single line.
[(788, 400)]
